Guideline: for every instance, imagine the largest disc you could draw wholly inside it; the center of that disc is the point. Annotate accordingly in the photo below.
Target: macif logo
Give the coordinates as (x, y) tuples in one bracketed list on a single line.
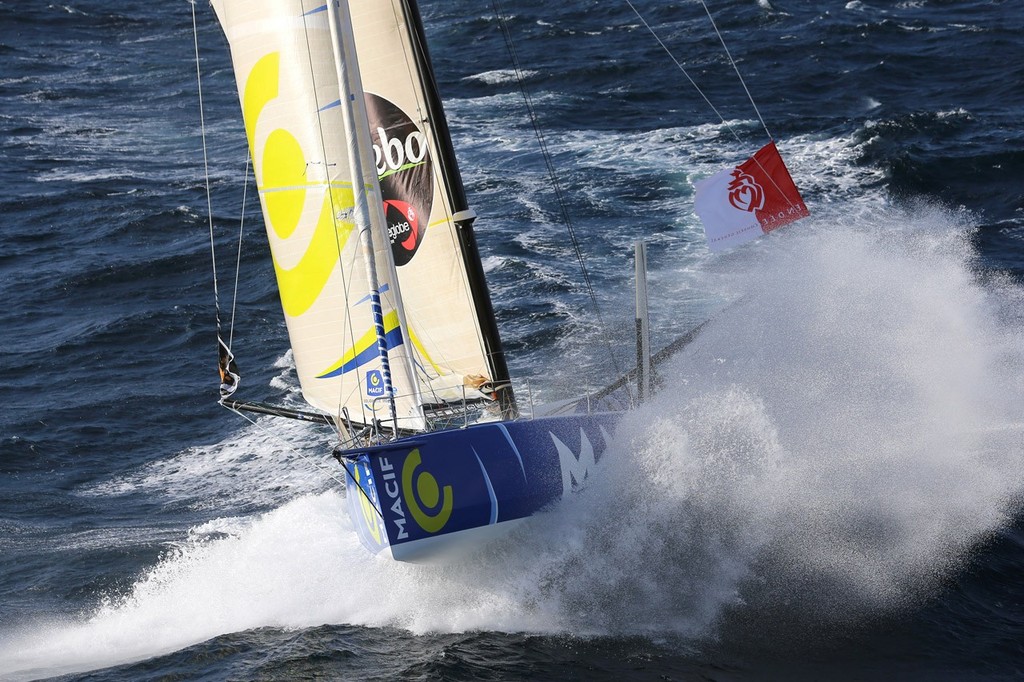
[(430, 505), (374, 383)]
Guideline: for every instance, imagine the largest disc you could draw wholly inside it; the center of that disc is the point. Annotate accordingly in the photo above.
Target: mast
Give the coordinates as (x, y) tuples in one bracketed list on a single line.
[(366, 191), (462, 215)]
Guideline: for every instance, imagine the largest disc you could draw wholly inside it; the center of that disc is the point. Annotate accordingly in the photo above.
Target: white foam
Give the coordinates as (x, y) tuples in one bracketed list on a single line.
[(849, 420), (848, 424), (265, 463), (500, 76)]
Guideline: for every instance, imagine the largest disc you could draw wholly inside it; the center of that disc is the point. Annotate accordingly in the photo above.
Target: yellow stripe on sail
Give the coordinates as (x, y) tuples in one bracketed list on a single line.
[(301, 285), (260, 87), (285, 188)]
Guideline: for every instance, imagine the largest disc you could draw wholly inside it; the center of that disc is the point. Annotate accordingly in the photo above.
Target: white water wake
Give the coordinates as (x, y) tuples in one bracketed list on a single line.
[(837, 440)]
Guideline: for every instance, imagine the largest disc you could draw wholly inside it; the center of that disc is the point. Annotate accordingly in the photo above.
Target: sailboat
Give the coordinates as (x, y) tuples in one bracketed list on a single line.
[(389, 318), (390, 322)]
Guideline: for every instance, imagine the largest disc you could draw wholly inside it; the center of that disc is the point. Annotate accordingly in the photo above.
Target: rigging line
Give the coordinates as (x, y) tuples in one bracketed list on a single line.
[(436, 171), (238, 256), (410, 70), (559, 195), (206, 167), (708, 101), (361, 489), (298, 452), (737, 70), (683, 69), (348, 270), (771, 179), (347, 283)]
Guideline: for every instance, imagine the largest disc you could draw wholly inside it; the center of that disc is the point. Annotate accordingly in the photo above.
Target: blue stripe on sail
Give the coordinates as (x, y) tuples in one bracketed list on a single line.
[(392, 339), (321, 8), (382, 290), (335, 103)]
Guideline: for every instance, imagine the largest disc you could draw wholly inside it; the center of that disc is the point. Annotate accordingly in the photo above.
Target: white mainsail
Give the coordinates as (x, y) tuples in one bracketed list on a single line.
[(289, 90)]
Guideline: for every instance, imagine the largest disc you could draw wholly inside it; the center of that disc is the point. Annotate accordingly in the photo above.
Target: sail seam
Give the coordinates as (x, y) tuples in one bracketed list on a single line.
[(312, 185)]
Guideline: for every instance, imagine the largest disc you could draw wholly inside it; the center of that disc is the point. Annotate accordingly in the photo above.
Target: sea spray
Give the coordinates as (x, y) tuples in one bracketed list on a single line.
[(887, 385), (830, 446), (833, 444)]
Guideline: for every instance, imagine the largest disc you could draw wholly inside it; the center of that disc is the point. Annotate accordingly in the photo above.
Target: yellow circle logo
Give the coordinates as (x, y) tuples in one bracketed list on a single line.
[(421, 488)]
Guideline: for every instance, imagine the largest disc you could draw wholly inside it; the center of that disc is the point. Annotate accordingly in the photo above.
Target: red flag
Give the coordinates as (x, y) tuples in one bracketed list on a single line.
[(742, 203)]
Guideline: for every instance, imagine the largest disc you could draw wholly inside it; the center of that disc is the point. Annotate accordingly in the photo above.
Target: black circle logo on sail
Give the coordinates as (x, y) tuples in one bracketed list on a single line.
[(404, 169)]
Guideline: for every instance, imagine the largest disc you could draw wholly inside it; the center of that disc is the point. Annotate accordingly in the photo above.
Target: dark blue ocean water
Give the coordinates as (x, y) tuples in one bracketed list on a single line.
[(829, 487)]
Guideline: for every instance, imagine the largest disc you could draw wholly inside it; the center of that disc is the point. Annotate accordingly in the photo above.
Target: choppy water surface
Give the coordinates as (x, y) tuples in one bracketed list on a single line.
[(829, 485)]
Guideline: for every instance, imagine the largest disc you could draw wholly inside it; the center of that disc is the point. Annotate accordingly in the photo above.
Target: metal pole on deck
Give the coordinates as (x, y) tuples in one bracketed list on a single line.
[(643, 331)]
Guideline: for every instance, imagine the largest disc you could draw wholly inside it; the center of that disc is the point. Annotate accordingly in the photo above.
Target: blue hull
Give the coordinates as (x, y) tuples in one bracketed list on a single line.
[(437, 494)]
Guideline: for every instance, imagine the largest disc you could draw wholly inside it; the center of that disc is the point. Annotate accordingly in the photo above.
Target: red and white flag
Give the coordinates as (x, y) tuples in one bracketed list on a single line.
[(742, 203)]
